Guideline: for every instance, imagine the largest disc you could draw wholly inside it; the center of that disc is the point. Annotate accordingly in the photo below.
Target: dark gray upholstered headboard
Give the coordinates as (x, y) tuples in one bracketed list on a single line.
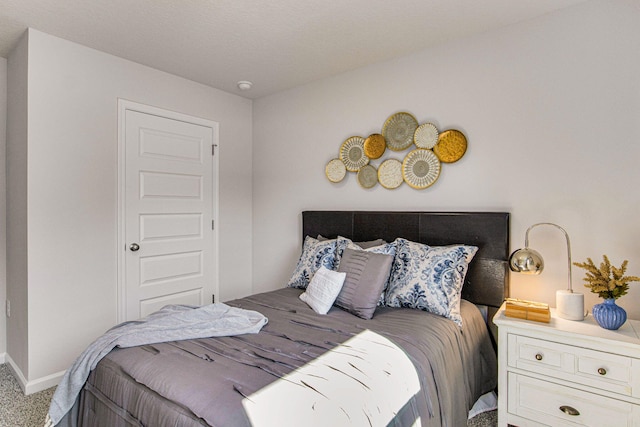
[(487, 281)]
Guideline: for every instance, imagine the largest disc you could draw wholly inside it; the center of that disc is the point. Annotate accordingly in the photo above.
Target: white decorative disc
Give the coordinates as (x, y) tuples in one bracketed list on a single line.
[(426, 136), (352, 153), (390, 174), (335, 170), (420, 168)]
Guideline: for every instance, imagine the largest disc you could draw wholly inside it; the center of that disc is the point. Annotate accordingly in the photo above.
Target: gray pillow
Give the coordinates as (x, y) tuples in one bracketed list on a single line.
[(367, 273), (363, 245), (371, 243)]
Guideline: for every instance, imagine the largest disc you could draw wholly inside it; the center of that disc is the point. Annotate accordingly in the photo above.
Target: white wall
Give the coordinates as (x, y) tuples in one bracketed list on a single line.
[(550, 108), (16, 214), (72, 190), (3, 206)]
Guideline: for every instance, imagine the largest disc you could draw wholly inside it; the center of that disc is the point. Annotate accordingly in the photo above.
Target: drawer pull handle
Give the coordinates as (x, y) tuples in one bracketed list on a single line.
[(538, 356), (569, 410), (602, 371)]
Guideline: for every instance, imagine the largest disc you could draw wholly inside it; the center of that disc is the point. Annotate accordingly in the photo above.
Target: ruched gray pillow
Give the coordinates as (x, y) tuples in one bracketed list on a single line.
[(367, 274)]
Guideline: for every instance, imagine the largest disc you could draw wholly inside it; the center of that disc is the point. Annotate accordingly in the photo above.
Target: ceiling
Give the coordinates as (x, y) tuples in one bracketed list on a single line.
[(276, 44)]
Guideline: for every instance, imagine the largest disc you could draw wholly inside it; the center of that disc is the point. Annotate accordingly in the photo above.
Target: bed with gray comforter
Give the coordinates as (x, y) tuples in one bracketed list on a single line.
[(203, 382), (403, 367)]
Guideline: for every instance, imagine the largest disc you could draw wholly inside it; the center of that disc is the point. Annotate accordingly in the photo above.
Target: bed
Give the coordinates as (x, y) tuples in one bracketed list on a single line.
[(401, 367)]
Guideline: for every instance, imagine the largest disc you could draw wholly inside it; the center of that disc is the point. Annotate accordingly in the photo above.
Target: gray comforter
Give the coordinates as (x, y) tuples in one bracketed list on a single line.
[(222, 381), (171, 323)]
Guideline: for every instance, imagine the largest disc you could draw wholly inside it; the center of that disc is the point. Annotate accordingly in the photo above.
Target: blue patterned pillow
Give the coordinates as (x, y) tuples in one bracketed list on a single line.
[(314, 255), (429, 278)]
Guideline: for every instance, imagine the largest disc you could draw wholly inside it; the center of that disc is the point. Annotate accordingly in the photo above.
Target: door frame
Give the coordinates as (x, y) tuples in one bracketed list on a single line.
[(121, 246)]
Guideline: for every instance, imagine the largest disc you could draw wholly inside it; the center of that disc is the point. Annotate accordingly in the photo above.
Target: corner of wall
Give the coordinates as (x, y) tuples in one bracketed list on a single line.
[(30, 387), (15, 204), (3, 207)]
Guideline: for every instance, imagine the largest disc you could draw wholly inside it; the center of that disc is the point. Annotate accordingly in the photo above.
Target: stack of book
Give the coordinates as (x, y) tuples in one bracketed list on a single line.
[(528, 310)]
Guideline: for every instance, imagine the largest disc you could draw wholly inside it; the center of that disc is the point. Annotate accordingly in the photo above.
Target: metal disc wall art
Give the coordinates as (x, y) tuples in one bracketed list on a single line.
[(352, 153), (426, 136), (335, 170), (420, 168), (367, 176), (374, 146), (390, 174), (451, 146), (398, 130), (426, 150)]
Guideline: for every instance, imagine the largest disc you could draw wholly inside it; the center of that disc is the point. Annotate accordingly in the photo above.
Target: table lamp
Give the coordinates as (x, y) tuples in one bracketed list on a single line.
[(569, 304)]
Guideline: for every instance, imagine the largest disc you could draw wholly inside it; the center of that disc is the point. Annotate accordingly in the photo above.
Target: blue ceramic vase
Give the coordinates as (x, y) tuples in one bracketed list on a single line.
[(609, 315)]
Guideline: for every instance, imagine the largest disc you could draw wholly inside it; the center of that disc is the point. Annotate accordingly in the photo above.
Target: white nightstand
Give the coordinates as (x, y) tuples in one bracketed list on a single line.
[(567, 373)]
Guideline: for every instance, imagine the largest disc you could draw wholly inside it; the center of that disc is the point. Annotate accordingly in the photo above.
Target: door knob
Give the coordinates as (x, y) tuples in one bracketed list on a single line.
[(134, 247)]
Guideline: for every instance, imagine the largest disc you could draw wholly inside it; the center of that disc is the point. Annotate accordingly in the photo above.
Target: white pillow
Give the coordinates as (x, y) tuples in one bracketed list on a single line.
[(323, 289)]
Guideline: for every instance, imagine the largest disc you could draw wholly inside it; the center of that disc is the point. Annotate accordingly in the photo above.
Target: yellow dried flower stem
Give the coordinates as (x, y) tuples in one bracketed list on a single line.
[(607, 281)]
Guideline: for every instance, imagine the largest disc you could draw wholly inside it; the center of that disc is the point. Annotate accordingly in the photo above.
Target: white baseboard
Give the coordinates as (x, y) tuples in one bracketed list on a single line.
[(33, 386), (3, 358), (17, 373), (44, 383)]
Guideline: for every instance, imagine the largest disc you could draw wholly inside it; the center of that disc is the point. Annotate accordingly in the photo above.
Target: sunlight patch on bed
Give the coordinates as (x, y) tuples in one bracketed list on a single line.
[(364, 381)]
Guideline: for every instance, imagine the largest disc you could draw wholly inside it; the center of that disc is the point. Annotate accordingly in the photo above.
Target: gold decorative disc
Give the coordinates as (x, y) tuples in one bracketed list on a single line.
[(352, 153), (335, 170), (390, 174), (367, 176), (451, 146), (374, 146), (398, 131), (420, 168)]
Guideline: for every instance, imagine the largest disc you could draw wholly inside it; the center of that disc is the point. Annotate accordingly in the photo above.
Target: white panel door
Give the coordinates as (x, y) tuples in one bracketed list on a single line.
[(168, 213)]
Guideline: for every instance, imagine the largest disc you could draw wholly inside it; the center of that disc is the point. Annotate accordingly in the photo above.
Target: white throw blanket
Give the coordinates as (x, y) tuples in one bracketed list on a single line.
[(171, 323)]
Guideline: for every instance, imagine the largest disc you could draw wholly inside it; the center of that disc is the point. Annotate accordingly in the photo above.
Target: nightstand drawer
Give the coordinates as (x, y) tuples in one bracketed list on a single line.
[(560, 406), (608, 370), (535, 354), (584, 366)]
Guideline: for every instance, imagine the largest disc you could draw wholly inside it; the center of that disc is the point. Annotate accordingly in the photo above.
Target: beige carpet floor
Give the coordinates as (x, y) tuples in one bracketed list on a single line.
[(18, 410)]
